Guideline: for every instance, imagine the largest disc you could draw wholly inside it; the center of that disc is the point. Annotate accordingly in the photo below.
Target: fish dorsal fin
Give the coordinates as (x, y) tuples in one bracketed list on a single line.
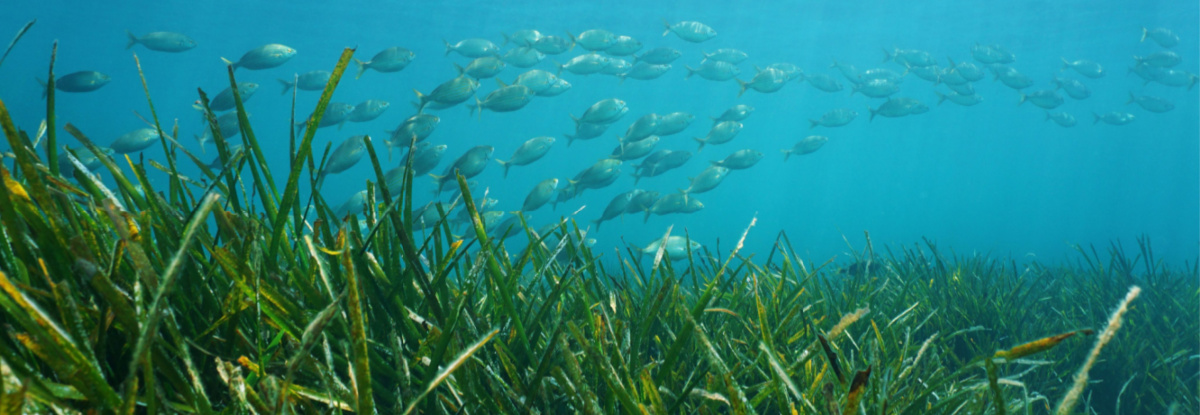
[(501, 83)]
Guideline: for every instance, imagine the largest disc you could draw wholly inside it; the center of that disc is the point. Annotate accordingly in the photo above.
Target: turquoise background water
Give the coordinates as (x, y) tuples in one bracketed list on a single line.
[(995, 178)]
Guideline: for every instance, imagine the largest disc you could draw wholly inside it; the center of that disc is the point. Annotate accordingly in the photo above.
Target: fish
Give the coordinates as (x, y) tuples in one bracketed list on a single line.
[(721, 133), (823, 82), (1011, 77), (671, 203), (82, 81), (624, 46), (425, 157), (263, 57), (394, 179), (1161, 59), (523, 57), (585, 64), (792, 71), (992, 54), (598, 173), (346, 155), (161, 41), (557, 88), (909, 57), (203, 140), (848, 71), (676, 248), (713, 70), (367, 110), (540, 195), (641, 201), (393, 59), (740, 160), (834, 118), (507, 98), (644, 127), (1114, 118), (472, 48), (733, 56), (536, 80), (1162, 36), (616, 66), (635, 150), (766, 81), (356, 204), (660, 162), (645, 71), (876, 88), (1148, 73), (449, 93), (229, 125), (336, 113), (553, 45), (673, 123), (586, 131), (934, 74), (808, 145), (738, 112), (415, 128), (308, 81), (708, 179), (960, 99), (899, 107), (1085, 67), (659, 56), (969, 71), (224, 100), (234, 150), (606, 111), (690, 31), (525, 37), (962, 89), (595, 40), (85, 156), (1061, 118), (480, 68), (616, 207), (135, 141), (530, 151), (470, 164), (1149, 103), (1073, 88), (1044, 98), (1176, 77)]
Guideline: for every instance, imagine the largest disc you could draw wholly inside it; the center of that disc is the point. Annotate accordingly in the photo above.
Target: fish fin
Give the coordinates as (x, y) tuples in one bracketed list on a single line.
[(478, 106), (786, 153), (952, 64), (698, 140), (45, 87), (668, 26), (449, 47), (1131, 98), (559, 66), (1097, 118), (814, 123), (1145, 32), (459, 68), (941, 97), (597, 222), (1068, 64), (506, 37), (1023, 97), (690, 72), (742, 84), (501, 83), (362, 67), (287, 86), (872, 111), (133, 40), (620, 76), (887, 56), (572, 37)]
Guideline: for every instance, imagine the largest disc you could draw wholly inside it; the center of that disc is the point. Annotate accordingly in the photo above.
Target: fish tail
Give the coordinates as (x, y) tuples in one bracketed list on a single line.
[(1145, 32), (941, 97), (559, 65), (229, 62), (449, 47), (506, 166), (478, 106), (133, 40), (647, 217), (786, 153), (1047, 116), (835, 64), (597, 222), (690, 71), (741, 84), (1022, 100), (421, 101), (45, 87), (620, 76), (887, 56), (1067, 64), (570, 139), (1097, 116), (698, 140), (667, 25), (287, 86), (506, 37), (572, 37), (1131, 98), (362, 67), (872, 111), (952, 64), (813, 124)]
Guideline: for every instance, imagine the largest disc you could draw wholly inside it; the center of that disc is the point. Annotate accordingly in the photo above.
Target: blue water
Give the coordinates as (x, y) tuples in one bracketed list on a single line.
[(995, 178)]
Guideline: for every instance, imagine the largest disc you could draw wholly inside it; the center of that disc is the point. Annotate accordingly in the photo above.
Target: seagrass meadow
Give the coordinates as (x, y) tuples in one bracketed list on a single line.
[(229, 293)]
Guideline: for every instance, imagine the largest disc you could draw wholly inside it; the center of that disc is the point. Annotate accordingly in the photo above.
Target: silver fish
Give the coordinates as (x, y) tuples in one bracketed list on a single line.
[(393, 59), (308, 81), (694, 32), (161, 41), (834, 118), (808, 145), (263, 57), (530, 151), (472, 48)]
